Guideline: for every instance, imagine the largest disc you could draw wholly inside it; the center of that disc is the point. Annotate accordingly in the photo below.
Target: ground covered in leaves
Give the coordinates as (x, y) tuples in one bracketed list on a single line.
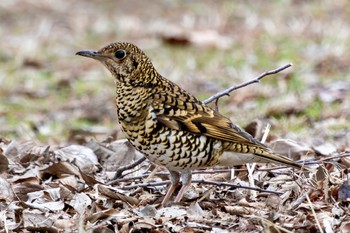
[(75, 189), (62, 153)]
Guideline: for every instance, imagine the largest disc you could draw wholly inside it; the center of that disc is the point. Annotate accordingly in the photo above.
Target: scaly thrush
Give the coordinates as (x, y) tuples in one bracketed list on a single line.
[(171, 127)]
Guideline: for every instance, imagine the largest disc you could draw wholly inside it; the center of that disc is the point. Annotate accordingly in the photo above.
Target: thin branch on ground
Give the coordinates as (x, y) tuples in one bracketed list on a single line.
[(300, 200), (314, 214), (129, 166), (216, 183), (256, 80), (215, 171), (161, 183), (320, 161)]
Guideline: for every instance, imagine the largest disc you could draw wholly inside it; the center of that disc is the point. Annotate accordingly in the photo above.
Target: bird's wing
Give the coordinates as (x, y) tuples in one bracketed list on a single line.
[(185, 112), (177, 109)]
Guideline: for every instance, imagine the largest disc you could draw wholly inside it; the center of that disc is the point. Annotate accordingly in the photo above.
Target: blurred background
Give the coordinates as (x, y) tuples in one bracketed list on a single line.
[(50, 95)]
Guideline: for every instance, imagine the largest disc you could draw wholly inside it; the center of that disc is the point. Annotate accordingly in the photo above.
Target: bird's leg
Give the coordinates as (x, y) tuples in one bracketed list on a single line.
[(175, 180), (186, 177)]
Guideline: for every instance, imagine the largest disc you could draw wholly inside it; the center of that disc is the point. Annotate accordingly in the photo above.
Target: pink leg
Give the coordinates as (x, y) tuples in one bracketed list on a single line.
[(175, 180), (186, 177)]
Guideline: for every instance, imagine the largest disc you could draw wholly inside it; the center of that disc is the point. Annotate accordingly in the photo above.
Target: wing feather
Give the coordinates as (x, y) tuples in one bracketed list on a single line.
[(196, 117), (177, 109)]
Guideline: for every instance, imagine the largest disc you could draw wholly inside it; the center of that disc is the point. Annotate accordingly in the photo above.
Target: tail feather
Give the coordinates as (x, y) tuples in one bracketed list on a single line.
[(269, 156), (259, 153)]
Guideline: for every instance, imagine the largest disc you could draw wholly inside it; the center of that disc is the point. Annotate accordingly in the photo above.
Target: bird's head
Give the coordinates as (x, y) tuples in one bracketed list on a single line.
[(126, 62)]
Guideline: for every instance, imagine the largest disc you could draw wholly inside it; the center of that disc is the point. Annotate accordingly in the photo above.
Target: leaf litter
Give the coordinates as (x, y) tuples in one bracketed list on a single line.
[(55, 189)]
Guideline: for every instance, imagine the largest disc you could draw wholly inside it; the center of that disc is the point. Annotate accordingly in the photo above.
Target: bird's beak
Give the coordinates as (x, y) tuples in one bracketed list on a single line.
[(90, 53)]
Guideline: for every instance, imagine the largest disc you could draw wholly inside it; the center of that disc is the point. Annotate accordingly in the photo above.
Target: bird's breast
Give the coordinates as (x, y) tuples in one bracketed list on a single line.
[(174, 149), (132, 103)]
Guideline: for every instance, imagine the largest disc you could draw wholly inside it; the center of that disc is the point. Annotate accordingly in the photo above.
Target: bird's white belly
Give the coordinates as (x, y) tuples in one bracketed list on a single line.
[(173, 152), (234, 159)]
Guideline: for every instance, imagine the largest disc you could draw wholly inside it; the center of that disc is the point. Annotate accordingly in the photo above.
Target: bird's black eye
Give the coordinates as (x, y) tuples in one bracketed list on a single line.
[(120, 54)]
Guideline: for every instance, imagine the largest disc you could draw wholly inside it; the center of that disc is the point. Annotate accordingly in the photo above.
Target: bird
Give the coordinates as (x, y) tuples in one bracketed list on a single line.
[(170, 126)]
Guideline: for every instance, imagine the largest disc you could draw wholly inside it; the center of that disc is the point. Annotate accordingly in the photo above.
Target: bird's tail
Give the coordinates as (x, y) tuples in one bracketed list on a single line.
[(255, 154)]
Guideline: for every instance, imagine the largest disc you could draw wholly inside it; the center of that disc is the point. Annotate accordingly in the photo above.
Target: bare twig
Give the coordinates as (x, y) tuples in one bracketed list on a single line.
[(216, 171), (256, 80), (146, 184), (127, 167), (314, 213), (320, 161), (300, 200), (235, 186)]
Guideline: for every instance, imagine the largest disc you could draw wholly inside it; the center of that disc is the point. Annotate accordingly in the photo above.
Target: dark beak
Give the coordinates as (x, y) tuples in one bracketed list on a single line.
[(90, 53)]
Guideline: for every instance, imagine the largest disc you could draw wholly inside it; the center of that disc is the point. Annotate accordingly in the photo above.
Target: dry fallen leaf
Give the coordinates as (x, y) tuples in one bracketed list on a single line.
[(3, 162), (195, 209), (325, 149), (101, 215), (6, 192), (22, 189), (45, 206), (237, 210), (78, 155), (60, 169), (112, 193), (80, 202)]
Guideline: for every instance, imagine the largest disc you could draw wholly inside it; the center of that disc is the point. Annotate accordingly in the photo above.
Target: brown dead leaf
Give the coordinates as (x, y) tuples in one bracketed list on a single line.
[(101, 215), (25, 152), (345, 161), (112, 193), (237, 210), (144, 226), (88, 179), (4, 163), (345, 227), (78, 155), (70, 182), (6, 192), (45, 206), (116, 154), (126, 227), (28, 175), (60, 169), (22, 189)]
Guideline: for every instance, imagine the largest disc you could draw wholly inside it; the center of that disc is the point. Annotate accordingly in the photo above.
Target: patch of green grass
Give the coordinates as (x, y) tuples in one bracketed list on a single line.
[(295, 84), (314, 111)]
